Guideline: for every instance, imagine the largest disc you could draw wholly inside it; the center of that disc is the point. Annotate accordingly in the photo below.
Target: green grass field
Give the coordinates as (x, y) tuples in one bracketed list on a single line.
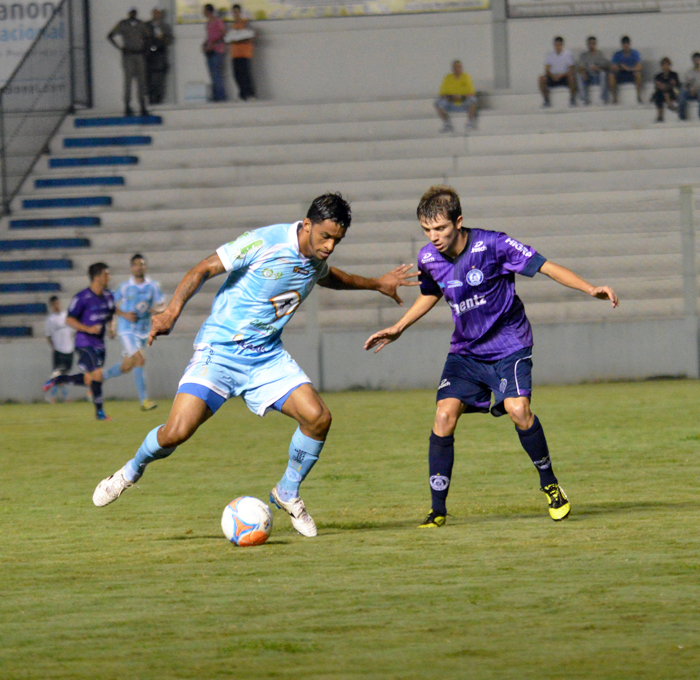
[(148, 588)]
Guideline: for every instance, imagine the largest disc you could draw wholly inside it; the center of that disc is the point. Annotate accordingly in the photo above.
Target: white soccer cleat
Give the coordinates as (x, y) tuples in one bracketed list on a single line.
[(108, 490), (301, 520)]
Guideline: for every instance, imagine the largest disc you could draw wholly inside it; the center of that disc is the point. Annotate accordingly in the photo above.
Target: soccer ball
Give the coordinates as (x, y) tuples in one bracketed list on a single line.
[(246, 521)]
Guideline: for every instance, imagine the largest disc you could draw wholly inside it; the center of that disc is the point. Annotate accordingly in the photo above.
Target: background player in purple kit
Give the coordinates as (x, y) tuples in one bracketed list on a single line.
[(89, 313), (491, 347)]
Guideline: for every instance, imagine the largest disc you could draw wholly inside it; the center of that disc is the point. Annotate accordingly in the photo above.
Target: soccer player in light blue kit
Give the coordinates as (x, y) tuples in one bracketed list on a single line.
[(136, 299), (238, 350)]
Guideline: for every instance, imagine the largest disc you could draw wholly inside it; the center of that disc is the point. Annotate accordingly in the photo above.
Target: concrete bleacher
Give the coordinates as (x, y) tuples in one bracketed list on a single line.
[(595, 188)]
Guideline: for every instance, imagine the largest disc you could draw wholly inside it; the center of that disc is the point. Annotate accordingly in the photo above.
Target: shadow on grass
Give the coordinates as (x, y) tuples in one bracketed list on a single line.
[(218, 537), (631, 506)]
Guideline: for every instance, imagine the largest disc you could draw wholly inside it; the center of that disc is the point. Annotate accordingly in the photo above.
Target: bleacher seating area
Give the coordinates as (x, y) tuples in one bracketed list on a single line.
[(593, 188)]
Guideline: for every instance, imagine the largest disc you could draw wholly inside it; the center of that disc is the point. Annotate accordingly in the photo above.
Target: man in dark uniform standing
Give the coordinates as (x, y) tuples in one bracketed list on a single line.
[(135, 42)]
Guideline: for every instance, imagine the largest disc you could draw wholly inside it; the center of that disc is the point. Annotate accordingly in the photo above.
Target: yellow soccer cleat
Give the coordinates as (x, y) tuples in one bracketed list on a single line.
[(559, 506), (148, 405), (433, 521)]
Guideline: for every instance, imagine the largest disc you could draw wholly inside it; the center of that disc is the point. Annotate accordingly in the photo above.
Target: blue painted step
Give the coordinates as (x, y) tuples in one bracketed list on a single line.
[(41, 243), (35, 265), (15, 332), (93, 160), (31, 287), (80, 202), (27, 308), (90, 142), (40, 223), (117, 120), (78, 182)]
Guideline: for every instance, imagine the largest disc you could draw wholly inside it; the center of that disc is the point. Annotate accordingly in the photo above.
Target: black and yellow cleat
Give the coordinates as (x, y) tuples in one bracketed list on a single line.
[(433, 521), (559, 506)]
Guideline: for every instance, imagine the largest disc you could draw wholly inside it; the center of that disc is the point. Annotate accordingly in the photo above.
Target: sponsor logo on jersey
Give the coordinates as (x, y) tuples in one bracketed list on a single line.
[(301, 270), (285, 303), (271, 274), (240, 253), (263, 327), (468, 304), (475, 277), (454, 284), (502, 385), (428, 257), (439, 482), (519, 247), (479, 247), (444, 383)]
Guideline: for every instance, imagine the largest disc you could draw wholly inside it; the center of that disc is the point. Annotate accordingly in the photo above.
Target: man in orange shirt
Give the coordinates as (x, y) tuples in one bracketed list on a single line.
[(457, 95), (241, 38)]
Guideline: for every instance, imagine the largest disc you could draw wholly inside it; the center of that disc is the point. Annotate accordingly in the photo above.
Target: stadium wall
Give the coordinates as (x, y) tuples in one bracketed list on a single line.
[(564, 353)]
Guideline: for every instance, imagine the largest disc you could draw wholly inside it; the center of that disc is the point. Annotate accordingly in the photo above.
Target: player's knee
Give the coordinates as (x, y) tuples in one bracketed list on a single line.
[(520, 414), (445, 422), (173, 434), (319, 421)]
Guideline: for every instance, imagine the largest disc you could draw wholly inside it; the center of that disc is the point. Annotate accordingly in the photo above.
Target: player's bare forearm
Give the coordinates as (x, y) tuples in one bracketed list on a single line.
[(76, 325), (418, 309), (386, 284), (570, 279), (162, 324)]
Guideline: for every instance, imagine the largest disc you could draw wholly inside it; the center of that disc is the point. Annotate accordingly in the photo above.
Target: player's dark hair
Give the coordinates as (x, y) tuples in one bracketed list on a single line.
[(439, 201), (94, 270), (695, 54), (137, 256), (236, 6), (52, 299), (330, 206), (559, 39), (209, 8), (666, 60), (591, 37), (625, 39)]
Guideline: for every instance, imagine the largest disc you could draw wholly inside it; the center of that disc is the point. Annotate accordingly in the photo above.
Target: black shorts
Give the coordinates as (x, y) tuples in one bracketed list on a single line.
[(90, 358), (62, 362), (624, 77), (564, 82), (472, 381)]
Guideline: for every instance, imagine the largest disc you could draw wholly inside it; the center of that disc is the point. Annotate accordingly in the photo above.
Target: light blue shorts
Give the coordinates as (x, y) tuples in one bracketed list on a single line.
[(449, 106), (230, 371), (132, 343)]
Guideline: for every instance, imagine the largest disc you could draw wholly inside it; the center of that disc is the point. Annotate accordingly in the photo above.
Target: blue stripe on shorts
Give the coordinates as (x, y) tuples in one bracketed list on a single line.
[(213, 400)]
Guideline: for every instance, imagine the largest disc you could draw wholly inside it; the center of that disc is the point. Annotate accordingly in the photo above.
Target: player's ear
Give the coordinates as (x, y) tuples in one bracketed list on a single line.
[(459, 222)]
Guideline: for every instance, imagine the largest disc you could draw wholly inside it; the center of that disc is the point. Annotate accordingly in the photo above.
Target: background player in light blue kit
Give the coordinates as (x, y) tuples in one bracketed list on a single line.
[(136, 299), (238, 351)]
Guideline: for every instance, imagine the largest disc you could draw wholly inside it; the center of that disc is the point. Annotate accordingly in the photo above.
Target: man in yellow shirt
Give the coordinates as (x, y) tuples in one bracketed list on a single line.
[(457, 95)]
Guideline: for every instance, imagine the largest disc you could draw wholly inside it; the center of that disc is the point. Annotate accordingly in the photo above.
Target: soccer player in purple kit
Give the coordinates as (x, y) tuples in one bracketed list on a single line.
[(491, 347), (89, 313)]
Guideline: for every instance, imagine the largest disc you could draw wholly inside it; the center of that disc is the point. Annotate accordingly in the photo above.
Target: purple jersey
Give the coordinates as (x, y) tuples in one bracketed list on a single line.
[(479, 286), (90, 309)]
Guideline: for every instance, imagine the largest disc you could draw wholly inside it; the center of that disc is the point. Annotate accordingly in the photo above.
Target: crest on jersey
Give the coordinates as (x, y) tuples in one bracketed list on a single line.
[(502, 386), (475, 277), (285, 303)]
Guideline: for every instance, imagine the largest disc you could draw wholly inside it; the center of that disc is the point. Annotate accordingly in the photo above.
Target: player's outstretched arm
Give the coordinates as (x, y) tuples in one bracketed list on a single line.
[(162, 324), (418, 309), (387, 284), (571, 280)]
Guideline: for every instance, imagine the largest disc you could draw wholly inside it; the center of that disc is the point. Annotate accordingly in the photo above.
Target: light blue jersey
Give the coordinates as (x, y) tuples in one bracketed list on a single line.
[(269, 278), (139, 298)]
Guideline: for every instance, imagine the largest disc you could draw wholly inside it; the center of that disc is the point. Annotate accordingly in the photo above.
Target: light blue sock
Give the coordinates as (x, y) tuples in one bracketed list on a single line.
[(140, 380), (303, 454), (112, 372), (149, 451)]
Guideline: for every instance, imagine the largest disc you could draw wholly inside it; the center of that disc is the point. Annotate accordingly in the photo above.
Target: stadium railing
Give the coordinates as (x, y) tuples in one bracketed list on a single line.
[(51, 81)]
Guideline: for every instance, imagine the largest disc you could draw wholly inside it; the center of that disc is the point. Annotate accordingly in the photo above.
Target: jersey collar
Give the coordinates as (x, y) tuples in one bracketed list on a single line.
[(467, 248)]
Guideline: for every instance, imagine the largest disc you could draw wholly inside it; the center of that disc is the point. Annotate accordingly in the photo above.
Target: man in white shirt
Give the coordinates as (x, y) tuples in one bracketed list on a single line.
[(558, 72), (61, 339)]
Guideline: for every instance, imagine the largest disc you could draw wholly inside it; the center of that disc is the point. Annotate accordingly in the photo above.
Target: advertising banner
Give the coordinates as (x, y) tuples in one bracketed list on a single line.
[(561, 8), (190, 11)]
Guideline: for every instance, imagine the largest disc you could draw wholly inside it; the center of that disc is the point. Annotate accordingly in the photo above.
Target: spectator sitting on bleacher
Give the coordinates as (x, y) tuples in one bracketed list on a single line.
[(667, 85), (691, 88), (558, 72), (626, 68), (457, 95), (592, 70)]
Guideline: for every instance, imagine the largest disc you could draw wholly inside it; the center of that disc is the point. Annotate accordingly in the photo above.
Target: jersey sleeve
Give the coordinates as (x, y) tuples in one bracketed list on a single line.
[(158, 297), (428, 286), (77, 307), (516, 257), (241, 253)]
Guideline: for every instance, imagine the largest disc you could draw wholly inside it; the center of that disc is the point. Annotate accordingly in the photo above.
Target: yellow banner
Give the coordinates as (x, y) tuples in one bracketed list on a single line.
[(191, 11)]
